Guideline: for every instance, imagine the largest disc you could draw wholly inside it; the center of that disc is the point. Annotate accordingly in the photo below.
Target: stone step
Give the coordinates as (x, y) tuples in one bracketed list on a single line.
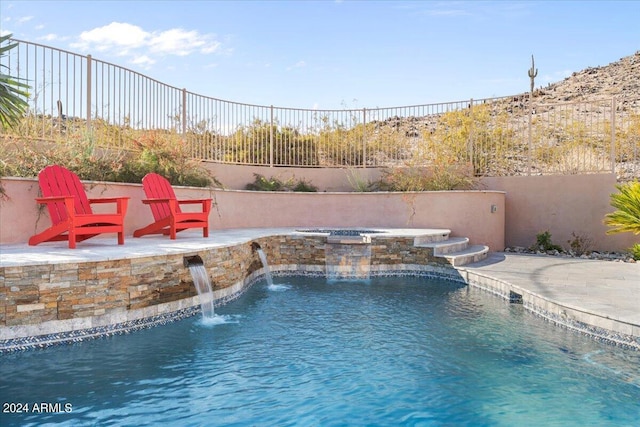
[(450, 245), (436, 235), (469, 255)]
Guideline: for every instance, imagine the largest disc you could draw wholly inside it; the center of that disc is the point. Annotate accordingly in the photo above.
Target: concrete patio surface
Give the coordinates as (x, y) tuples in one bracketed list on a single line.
[(605, 291)]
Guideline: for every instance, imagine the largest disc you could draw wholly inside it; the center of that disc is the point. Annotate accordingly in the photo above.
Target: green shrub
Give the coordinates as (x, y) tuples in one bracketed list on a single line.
[(260, 183), (635, 251), (304, 187), (544, 243)]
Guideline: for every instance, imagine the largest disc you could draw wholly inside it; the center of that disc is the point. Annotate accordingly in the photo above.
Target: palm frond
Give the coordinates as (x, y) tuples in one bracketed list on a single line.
[(627, 203), (13, 92)]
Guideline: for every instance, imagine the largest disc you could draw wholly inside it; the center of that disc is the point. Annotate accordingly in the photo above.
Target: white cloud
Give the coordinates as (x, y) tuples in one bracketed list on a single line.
[(116, 35), (144, 47), (24, 19), (144, 61), (180, 42)]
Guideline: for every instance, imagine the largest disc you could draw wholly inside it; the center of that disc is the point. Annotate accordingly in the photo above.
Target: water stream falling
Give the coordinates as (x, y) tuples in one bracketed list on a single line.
[(203, 286), (348, 261), (265, 265)]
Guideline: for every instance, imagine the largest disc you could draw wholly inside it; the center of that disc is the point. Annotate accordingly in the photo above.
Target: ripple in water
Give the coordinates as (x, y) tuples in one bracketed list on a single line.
[(216, 319), (278, 287)]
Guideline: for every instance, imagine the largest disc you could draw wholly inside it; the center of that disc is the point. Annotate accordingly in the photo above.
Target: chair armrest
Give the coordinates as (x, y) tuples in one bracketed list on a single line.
[(194, 201), (151, 201), (108, 200), (121, 203), (53, 199)]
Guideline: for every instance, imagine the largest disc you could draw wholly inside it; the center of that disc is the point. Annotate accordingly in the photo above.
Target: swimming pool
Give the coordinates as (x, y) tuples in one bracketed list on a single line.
[(393, 351)]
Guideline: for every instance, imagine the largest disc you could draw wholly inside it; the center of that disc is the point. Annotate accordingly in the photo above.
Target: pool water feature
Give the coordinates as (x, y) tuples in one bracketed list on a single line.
[(346, 260), (202, 284), (265, 267), (393, 351)]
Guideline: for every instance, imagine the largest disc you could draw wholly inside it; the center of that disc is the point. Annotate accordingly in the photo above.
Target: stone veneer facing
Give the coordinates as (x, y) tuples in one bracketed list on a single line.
[(43, 305), (48, 304)]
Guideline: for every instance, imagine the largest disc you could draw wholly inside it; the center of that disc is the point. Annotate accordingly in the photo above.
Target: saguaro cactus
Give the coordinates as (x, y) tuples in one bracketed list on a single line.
[(533, 72)]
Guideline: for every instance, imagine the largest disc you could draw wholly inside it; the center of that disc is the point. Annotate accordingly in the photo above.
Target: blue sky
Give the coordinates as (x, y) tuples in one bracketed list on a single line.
[(337, 54)]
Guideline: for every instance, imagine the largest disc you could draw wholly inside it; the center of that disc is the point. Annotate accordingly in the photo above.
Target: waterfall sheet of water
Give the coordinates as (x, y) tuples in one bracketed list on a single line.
[(265, 265), (348, 261), (203, 286)]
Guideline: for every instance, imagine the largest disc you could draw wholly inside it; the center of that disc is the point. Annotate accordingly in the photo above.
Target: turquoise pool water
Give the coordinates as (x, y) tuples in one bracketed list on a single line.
[(394, 351)]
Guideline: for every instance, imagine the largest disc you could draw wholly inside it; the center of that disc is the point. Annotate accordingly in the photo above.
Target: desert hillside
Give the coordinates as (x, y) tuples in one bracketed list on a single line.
[(620, 79)]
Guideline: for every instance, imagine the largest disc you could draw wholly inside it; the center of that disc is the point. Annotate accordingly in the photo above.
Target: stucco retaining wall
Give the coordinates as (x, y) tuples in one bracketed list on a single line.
[(527, 206), (465, 213), (561, 204)]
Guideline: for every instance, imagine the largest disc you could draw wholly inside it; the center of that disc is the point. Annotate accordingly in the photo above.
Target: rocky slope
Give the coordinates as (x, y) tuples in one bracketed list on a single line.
[(620, 79)]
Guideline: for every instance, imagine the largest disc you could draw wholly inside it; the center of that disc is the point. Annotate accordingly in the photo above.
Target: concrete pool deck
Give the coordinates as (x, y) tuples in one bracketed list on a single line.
[(606, 292)]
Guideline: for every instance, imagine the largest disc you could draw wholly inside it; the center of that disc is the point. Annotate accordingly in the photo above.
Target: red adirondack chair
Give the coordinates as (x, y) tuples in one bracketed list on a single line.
[(165, 207), (70, 210)]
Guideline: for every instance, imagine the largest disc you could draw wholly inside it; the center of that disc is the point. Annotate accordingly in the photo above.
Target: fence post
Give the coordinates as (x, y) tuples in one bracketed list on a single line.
[(470, 139), (613, 135), (364, 137), (271, 137), (184, 111), (89, 66), (530, 142)]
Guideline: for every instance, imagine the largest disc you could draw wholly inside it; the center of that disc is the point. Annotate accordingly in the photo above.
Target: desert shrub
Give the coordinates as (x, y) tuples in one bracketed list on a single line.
[(580, 244), (433, 178), (543, 243), (78, 154), (251, 144), (152, 152), (261, 183), (627, 141), (304, 186), (359, 184), (479, 136), (635, 251)]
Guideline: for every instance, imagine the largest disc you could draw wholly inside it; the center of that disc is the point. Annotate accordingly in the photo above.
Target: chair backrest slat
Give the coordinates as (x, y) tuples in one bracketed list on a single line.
[(158, 187), (57, 181)]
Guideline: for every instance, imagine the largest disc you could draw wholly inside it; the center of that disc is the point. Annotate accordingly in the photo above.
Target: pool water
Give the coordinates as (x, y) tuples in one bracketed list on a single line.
[(392, 351)]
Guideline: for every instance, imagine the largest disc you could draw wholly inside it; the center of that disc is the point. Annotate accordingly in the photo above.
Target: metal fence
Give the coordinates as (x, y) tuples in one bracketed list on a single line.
[(514, 135)]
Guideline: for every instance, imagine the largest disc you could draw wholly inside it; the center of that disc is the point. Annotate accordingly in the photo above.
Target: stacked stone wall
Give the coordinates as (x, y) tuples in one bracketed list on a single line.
[(33, 294)]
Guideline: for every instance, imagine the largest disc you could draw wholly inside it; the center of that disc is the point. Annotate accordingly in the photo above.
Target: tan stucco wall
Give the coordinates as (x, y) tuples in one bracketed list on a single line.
[(466, 214), (561, 204)]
